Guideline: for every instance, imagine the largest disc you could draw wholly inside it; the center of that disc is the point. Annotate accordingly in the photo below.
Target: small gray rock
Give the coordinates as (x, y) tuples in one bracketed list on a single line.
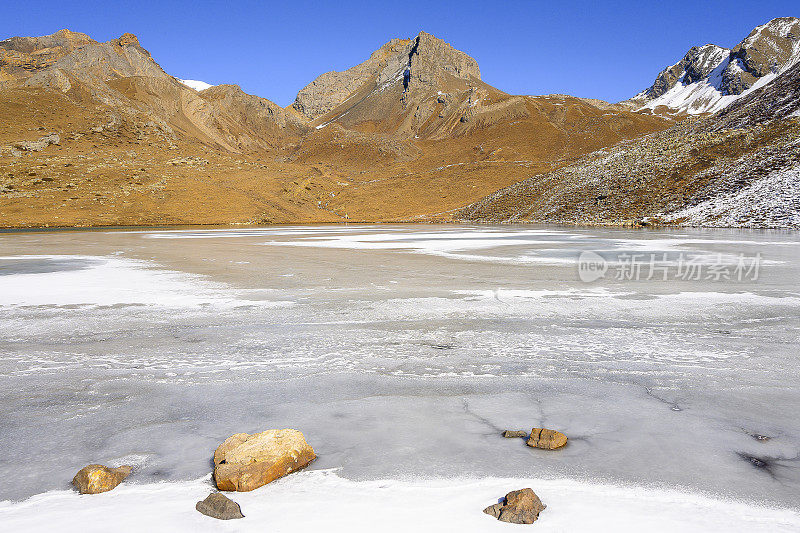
[(510, 434), (217, 505)]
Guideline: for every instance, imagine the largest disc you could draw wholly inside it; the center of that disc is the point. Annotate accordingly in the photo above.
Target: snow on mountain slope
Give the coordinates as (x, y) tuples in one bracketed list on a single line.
[(196, 84), (709, 78), (774, 198), (774, 102), (707, 95)]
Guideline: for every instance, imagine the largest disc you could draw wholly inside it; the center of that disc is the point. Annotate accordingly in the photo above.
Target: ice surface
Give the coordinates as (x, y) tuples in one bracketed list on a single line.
[(401, 352), (103, 281)]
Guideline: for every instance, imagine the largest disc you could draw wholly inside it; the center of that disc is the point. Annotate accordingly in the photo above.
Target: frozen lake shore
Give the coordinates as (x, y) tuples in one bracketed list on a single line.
[(401, 352), (391, 505)]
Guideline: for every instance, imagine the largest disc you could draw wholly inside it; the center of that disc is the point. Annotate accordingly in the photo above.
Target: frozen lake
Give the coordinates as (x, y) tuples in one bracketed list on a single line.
[(402, 352)]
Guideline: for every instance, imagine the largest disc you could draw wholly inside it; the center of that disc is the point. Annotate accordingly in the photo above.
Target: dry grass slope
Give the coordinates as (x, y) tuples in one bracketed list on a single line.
[(412, 134)]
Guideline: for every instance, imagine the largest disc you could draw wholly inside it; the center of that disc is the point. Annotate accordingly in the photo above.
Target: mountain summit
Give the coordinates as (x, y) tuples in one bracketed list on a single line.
[(423, 60), (420, 86), (59, 59), (709, 78)]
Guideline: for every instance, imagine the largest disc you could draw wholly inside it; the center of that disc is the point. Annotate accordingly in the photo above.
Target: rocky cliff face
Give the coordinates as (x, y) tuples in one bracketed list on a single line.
[(122, 75), (697, 64), (421, 61), (710, 77), (330, 89), (767, 49), (20, 56), (431, 58), (51, 60), (415, 88), (775, 101)]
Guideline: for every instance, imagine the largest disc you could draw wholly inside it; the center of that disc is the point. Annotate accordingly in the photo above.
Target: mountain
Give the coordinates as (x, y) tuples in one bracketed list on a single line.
[(709, 78), (53, 60), (737, 168), (124, 77), (423, 133), (411, 86), (776, 101), (97, 133), (408, 64)]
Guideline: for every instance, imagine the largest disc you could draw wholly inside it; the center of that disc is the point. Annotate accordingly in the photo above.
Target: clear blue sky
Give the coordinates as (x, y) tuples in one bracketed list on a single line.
[(597, 49)]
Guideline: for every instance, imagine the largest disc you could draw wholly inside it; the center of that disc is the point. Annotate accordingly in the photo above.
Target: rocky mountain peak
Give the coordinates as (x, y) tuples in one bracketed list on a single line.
[(768, 48), (429, 57), (773, 102), (62, 39), (23, 55), (698, 63), (422, 60), (701, 61), (710, 77)]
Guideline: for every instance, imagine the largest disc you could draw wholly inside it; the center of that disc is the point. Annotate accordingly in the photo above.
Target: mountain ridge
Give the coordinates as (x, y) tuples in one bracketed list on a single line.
[(408, 60), (710, 77), (99, 134), (737, 168)]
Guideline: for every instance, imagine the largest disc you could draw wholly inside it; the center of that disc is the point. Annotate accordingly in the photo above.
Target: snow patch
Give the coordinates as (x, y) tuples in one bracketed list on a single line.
[(76, 280), (197, 85), (705, 96)]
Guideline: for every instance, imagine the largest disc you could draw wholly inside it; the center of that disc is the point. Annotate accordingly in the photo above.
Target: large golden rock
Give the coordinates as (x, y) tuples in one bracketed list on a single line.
[(94, 479), (546, 439), (245, 462)]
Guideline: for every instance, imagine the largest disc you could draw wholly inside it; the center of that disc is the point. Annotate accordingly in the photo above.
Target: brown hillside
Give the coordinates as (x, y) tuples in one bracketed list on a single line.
[(740, 167), (411, 134)]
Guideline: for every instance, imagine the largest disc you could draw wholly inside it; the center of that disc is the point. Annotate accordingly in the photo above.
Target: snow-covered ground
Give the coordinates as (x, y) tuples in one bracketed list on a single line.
[(776, 195), (321, 500), (401, 352)]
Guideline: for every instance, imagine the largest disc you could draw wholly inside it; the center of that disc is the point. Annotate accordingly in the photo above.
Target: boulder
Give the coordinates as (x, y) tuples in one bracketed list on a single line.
[(217, 505), (518, 507), (94, 479), (38, 146), (245, 462), (547, 439), (511, 434)]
